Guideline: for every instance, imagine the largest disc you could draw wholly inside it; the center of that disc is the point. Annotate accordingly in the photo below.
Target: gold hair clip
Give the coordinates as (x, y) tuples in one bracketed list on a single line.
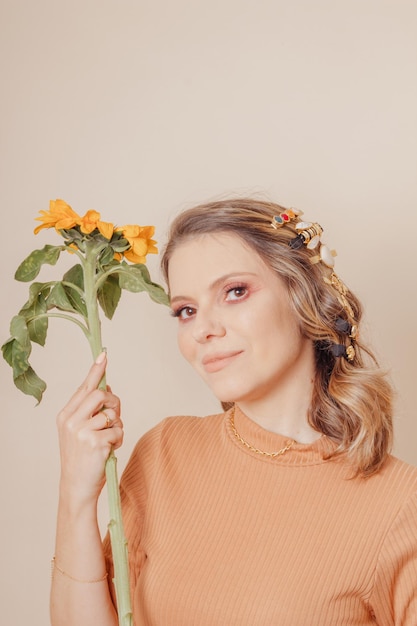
[(309, 234), (285, 217)]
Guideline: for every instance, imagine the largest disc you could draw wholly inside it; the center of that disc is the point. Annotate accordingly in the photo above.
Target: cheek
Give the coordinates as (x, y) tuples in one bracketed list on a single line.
[(185, 344), (274, 326)]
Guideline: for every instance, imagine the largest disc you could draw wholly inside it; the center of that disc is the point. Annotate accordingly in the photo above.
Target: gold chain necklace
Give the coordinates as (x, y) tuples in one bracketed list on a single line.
[(250, 447)]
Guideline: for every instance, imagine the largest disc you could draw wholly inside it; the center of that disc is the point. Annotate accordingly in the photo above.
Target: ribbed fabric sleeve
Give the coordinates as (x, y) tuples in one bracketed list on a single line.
[(220, 535)]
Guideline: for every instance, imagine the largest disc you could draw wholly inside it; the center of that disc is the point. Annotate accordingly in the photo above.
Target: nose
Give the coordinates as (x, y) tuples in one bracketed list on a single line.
[(206, 326)]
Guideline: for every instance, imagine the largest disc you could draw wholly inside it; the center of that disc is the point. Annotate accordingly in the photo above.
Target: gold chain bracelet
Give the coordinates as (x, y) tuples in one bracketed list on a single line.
[(54, 567)]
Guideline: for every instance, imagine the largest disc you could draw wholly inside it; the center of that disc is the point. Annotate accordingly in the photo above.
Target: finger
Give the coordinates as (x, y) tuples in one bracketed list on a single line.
[(96, 372), (101, 440), (92, 380), (94, 376), (117, 437), (105, 418), (109, 420), (92, 404), (111, 438)]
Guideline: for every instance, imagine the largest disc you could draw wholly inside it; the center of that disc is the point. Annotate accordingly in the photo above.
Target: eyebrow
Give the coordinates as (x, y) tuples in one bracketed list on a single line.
[(215, 284)]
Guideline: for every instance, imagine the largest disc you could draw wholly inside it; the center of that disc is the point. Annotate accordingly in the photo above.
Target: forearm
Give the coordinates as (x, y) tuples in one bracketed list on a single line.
[(87, 433), (80, 595)]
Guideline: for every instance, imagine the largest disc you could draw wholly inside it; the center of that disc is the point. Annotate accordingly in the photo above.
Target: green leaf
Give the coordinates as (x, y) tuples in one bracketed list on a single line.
[(16, 354), (34, 314), (109, 295), (143, 270), (58, 298), (120, 245), (30, 267), (131, 279), (30, 383), (7, 350), (106, 256), (73, 236), (34, 290), (76, 300), (71, 233), (157, 294), (75, 275), (136, 278), (19, 331), (38, 328), (19, 358)]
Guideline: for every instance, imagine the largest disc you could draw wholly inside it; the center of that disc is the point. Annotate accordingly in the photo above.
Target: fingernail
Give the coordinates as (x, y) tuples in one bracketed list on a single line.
[(101, 357)]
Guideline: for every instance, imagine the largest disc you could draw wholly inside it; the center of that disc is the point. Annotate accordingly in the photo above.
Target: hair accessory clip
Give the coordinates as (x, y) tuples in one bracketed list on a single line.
[(285, 217), (339, 350), (344, 327), (308, 235), (342, 290)]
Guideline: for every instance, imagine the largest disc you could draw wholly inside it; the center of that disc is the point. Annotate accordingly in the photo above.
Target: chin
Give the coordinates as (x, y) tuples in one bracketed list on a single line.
[(230, 389), (229, 396)]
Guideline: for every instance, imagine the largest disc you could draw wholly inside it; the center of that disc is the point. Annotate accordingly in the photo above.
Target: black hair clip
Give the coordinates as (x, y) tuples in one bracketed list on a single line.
[(344, 327), (309, 235), (339, 350)]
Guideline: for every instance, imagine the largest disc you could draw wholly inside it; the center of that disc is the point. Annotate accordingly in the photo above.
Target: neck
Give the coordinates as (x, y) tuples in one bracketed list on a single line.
[(293, 425), (284, 410)]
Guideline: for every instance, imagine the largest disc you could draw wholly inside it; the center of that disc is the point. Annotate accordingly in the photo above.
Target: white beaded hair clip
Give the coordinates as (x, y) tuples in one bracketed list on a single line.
[(309, 234)]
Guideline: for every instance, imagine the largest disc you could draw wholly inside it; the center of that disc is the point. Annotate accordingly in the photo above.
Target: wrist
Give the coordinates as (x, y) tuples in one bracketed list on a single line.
[(75, 500)]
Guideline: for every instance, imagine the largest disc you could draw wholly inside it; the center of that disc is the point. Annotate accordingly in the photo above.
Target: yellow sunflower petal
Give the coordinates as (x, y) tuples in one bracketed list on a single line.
[(139, 246), (152, 249), (106, 229), (147, 231), (130, 230), (88, 222), (134, 258), (60, 215)]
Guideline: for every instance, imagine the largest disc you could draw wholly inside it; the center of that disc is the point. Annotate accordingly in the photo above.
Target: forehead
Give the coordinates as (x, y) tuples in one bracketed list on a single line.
[(206, 257)]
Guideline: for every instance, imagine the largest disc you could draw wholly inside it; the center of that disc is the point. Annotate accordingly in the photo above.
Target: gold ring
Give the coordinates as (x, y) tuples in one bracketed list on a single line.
[(108, 420)]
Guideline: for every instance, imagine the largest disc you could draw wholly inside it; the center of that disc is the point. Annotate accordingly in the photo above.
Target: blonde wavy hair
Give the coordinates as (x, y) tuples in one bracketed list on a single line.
[(352, 401)]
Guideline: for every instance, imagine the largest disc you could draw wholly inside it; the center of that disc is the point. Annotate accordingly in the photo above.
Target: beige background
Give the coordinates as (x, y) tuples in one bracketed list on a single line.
[(141, 108)]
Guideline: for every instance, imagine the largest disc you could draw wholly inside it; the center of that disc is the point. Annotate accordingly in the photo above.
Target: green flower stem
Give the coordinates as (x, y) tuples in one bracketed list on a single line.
[(119, 544), (90, 294), (117, 536), (72, 286), (102, 278), (65, 317)]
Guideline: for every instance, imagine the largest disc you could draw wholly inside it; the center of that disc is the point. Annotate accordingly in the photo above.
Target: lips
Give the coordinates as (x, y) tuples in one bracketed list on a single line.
[(216, 362)]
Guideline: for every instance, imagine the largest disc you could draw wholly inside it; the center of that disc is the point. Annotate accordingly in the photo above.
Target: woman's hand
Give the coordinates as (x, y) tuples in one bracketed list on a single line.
[(89, 426)]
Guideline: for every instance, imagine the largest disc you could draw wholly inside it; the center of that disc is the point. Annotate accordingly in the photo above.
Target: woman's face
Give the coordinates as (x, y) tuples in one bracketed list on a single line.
[(236, 326)]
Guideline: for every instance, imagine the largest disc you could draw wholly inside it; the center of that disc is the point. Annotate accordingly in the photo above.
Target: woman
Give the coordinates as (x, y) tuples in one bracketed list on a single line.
[(285, 509)]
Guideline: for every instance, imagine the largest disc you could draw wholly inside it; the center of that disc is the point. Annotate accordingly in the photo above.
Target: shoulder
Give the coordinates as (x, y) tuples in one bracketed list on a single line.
[(179, 432), (398, 475), (189, 426), (395, 481), (394, 589), (394, 489), (175, 442)]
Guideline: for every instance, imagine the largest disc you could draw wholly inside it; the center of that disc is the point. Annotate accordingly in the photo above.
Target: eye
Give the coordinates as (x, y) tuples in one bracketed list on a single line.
[(237, 292), (184, 312)]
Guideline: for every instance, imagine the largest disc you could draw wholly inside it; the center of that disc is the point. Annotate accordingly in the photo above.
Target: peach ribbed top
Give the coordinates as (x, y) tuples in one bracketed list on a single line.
[(221, 536)]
